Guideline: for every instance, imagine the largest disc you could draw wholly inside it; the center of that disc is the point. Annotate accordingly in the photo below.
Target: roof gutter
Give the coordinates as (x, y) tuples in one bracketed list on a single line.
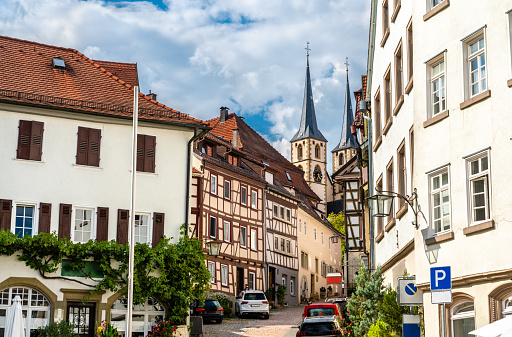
[(371, 50)]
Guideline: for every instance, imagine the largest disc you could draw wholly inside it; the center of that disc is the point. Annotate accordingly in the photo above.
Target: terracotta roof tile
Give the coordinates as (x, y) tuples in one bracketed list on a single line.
[(127, 72)]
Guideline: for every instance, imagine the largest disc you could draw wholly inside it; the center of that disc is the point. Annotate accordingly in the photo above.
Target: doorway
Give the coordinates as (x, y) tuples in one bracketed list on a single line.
[(272, 282), (312, 285), (239, 280), (83, 317)]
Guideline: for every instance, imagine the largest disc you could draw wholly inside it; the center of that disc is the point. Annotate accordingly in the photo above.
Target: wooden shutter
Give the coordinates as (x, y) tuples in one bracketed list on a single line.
[(24, 139), (122, 226), (36, 145), (45, 214), (102, 224), (82, 145), (93, 157), (5, 214), (158, 228), (140, 153), (65, 221), (149, 154)]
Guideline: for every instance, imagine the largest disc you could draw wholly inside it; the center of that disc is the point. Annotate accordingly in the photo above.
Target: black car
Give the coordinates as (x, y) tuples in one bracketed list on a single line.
[(326, 326), (210, 310)]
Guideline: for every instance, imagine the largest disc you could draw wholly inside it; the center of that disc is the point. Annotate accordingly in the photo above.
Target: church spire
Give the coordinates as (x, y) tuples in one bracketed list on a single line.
[(308, 127), (347, 138)]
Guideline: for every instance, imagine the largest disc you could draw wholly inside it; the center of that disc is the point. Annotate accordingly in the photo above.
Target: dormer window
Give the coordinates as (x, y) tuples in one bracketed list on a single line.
[(288, 176), (59, 63)]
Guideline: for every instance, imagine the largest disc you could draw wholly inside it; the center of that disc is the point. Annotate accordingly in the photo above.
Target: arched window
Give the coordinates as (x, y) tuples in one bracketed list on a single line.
[(463, 319), (340, 159), (304, 287), (145, 316), (507, 307), (317, 151), (35, 307), (299, 152)]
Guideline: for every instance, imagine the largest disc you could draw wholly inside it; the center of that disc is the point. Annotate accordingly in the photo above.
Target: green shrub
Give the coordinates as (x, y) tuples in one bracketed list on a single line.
[(225, 301), (61, 329), (281, 293), (379, 329)]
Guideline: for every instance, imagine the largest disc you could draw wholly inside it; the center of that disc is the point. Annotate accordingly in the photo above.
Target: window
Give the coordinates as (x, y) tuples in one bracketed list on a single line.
[(437, 88), (288, 215), (282, 244), (292, 285), (478, 180), (252, 279), (30, 140), (211, 269), (288, 246), (304, 260), (463, 319), (314, 231), (282, 212), (329, 241), (305, 228), (317, 151), (142, 228), (254, 199), (224, 274), (254, 239), (390, 186), (322, 237), (243, 197), (387, 97), (435, 2), (227, 189), (409, 54), (25, 220), (398, 73), (146, 153), (83, 229), (440, 201), (213, 184), (146, 315), (88, 146), (213, 227), (227, 231), (507, 307), (475, 70), (376, 117), (316, 265), (340, 159), (299, 152), (284, 280), (300, 225), (243, 237), (288, 176), (276, 243), (385, 22), (402, 173), (276, 211)]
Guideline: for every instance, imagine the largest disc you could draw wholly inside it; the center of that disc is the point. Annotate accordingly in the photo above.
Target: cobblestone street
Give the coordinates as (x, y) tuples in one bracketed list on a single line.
[(282, 323)]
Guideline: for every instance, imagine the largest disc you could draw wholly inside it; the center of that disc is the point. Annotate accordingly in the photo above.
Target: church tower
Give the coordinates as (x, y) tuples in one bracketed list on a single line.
[(309, 146), (346, 149)]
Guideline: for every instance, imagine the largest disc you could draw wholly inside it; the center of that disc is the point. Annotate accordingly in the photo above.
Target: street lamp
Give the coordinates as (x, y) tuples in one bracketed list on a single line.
[(214, 247), (382, 204)]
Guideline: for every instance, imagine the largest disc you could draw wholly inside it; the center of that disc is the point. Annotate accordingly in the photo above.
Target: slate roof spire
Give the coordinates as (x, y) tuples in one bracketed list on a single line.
[(308, 127), (347, 140)]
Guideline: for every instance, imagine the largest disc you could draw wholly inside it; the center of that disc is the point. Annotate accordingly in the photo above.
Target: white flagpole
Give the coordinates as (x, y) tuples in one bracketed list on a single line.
[(131, 229)]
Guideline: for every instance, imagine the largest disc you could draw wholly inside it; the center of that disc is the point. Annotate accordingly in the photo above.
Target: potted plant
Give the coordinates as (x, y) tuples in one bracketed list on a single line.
[(106, 330), (329, 291), (164, 329), (322, 292)]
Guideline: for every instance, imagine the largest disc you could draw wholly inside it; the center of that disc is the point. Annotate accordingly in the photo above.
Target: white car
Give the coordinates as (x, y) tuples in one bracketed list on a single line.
[(252, 302)]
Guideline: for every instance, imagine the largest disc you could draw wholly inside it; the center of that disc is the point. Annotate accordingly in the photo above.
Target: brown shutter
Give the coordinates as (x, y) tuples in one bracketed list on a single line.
[(5, 214), (65, 221), (102, 224), (140, 153), (94, 147), (24, 139), (45, 214), (158, 228), (36, 146), (149, 158), (122, 226), (82, 145)]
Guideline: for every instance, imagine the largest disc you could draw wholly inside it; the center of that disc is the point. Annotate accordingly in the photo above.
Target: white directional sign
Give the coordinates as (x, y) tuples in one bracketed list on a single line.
[(408, 293)]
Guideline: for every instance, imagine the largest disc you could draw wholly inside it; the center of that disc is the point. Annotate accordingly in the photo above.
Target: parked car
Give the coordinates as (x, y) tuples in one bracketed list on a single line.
[(342, 302), (252, 302), (322, 309), (210, 310), (325, 326)]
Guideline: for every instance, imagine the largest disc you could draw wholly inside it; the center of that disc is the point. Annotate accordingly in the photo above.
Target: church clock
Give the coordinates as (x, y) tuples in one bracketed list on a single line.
[(317, 175)]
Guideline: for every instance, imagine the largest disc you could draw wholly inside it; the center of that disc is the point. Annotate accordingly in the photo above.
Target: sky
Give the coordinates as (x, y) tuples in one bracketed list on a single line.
[(199, 55)]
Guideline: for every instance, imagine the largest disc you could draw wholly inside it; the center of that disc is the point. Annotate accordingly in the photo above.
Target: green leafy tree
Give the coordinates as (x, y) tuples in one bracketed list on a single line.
[(390, 312), (379, 329), (363, 304), (338, 221)]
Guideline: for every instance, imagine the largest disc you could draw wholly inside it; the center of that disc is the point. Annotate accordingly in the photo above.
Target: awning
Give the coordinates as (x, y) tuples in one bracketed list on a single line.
[(334, 278), (500, 328)]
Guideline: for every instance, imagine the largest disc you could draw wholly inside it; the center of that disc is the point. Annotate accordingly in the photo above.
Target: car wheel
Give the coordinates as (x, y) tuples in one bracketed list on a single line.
[(219, 321), (266, 316)]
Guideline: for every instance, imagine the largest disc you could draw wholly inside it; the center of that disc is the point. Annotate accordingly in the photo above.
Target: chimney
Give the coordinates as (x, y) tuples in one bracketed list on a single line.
[(223, 114), (236, 139), (152, 95)]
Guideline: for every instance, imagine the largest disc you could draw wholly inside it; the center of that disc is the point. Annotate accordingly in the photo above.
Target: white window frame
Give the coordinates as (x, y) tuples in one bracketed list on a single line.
[(482, 174), (76, 209), (468, 57), (439, 191), (211, 269), (431, 65), (281, 212), (210, 226), (150, 226), (224, 275), (35, 217), (431, 4), (213, 184), (145, 310), (288, 215), (252, 280), (227, 189), (283, 245), (243, 238), (243, 191), (276, 211), (254, 239), (292, 285), (464, 315), (289, 246), (254, 199), (227, 231), (506, 306)]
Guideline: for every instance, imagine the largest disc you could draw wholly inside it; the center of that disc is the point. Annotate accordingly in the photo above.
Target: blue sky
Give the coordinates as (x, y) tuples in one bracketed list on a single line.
[(199, 55)]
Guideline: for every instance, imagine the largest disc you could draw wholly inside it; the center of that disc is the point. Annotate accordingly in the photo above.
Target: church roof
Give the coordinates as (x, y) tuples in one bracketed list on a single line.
[(308, 127), (347, 140)]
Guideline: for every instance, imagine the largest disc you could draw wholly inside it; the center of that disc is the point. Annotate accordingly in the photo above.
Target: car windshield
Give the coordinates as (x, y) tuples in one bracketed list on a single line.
[(318, 327), (254, 296), (211, 304), (314, 312)]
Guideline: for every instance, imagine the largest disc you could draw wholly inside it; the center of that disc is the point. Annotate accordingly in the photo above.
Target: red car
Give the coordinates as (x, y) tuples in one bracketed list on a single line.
[(322, 309)]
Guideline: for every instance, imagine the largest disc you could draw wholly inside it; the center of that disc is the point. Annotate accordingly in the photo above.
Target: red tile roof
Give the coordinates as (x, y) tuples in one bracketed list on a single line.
[(126, 72), (28, 76)]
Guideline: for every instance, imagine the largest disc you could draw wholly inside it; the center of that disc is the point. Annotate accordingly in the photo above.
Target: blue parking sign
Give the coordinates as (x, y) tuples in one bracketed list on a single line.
[(440, 278)]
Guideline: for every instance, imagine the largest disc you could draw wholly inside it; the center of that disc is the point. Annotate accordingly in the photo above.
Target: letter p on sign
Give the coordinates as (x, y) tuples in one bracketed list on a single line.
[(440, 278)]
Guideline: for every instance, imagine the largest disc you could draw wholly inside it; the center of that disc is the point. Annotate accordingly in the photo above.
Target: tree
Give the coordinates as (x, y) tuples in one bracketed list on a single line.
[(338, 221), (390, 312), (363, 304)]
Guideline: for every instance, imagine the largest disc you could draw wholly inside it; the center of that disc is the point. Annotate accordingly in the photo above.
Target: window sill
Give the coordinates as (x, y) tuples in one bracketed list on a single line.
[(87, 167), (391, 224), (398, 105), (29, 161), (439, 238), (401, 212), (377, 144), (395, 12), (408, 87), (475, 99), (443, 5), (437, 118), (479, 227), (148, 174), (387, 126), (384, 37), (379, 237), (509, 83)]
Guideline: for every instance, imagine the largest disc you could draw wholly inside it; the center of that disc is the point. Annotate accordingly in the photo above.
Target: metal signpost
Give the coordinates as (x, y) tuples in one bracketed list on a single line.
[(441, 288), (408, 294)]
